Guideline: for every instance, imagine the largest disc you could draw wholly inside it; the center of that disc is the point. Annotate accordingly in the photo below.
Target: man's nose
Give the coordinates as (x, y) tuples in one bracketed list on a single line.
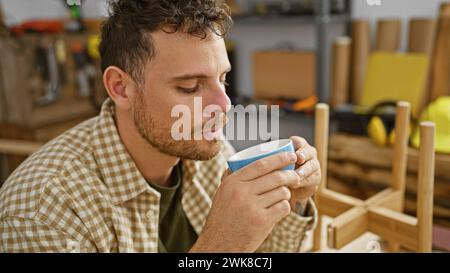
[(218, 97)]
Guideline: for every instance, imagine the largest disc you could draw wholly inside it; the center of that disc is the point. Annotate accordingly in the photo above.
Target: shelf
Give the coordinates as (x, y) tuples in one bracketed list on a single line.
[(286, 19)]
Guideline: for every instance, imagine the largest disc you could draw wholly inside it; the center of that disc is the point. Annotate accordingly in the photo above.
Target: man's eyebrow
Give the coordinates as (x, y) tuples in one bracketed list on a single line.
[(195, 76), (189, 77)]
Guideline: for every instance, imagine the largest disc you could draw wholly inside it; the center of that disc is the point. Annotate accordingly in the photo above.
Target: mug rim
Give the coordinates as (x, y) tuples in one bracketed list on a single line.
[(232, 159)]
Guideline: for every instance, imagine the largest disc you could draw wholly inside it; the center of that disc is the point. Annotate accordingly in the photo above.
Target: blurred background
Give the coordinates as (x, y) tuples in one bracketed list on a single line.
[(359, 56)]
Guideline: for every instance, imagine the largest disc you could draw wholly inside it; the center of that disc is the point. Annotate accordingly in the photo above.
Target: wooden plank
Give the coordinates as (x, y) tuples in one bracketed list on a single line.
[(421, 39), (445, 10), (12, 132), (340, 71), (393, 226), (347, 227), (439, 211), (377, 198), (69, 109), (440, 81), (48, 132), (421, 35), (360, 56), (378, 178), (333, 203), (388, 198), (356, 148), (17, 147), (394, 201), (388, 35), (351, 187)]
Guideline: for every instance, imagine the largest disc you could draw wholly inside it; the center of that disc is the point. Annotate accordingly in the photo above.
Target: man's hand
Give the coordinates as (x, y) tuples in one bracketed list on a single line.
[(247, 205), (308, 168)]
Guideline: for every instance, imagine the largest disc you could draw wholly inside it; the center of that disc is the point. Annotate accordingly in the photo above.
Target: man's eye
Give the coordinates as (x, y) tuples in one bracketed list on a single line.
[(225, 84), (188, 90)]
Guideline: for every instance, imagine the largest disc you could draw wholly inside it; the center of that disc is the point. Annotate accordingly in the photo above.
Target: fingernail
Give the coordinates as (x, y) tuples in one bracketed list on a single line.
[(292, 157), (301, 173)]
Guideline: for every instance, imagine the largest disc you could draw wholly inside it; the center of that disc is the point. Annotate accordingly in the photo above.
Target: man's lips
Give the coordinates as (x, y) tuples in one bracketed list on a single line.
[(213, 134), (216, 129), (218, 123), (217, 126)]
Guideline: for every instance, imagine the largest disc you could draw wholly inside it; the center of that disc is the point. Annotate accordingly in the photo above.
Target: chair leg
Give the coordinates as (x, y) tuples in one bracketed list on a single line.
[(400, 157), (321, 143), (317, 237), (425, 187)]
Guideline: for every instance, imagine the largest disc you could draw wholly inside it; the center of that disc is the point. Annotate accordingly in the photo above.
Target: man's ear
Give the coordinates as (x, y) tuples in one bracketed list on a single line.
[(118, 85)]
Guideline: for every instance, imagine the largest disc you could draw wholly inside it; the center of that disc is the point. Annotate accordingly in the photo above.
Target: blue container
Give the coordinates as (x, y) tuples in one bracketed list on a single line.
[(249, 155)]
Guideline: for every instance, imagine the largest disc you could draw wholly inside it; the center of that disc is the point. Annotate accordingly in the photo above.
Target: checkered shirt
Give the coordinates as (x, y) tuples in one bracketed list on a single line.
[(82, 192)]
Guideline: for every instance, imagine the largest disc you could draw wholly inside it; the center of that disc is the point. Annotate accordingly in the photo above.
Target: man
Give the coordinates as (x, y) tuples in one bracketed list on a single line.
[(120, 182)]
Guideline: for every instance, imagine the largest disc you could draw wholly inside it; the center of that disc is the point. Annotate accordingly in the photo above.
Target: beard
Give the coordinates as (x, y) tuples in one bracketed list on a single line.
[(157, 134)]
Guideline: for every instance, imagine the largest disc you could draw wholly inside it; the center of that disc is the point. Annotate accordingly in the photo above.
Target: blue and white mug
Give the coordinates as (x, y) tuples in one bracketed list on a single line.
[(249, 155)]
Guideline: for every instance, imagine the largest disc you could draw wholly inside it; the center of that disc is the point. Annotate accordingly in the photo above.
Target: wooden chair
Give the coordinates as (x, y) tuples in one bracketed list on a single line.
[(381, 214)]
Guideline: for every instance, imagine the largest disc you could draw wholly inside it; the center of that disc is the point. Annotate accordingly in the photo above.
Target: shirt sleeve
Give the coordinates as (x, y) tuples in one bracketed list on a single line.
[(289, 234), (29, 235)]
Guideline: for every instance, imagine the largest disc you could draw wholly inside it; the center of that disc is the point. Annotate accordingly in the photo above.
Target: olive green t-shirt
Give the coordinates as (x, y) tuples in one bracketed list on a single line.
[(175, 232)]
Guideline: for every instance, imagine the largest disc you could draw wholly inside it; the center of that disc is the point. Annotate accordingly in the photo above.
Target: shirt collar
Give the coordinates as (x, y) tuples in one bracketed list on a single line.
[(118, 170)]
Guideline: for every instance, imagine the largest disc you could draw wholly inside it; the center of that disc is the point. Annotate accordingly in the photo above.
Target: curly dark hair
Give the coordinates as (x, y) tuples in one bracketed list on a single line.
[(126, 40)]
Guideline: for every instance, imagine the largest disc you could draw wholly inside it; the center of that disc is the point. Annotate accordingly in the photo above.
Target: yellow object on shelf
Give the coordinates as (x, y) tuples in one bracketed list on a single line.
[(377, 132), (93, 46), (395, 77), (439, 113), (60, 47)]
